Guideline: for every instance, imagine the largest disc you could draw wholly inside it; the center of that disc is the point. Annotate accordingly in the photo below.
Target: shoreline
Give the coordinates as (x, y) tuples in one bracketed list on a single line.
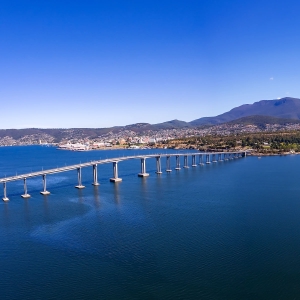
[(272, 154), (152, 148)]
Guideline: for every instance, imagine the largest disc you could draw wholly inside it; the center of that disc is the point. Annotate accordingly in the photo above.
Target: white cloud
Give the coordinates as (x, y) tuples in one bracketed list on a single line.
[(271, 78)]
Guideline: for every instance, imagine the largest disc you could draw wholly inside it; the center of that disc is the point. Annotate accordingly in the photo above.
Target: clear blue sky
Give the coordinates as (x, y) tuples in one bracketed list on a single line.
[(103, 63)]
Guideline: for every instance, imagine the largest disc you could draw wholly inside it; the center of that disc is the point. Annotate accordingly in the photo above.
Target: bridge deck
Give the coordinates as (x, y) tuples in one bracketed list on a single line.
[(104, 161)]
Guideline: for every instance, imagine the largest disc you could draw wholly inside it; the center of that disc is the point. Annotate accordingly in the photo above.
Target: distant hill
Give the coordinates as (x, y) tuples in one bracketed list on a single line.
[(287, 108), (283, 111), (261, 121), (66, 133), (174, 124)]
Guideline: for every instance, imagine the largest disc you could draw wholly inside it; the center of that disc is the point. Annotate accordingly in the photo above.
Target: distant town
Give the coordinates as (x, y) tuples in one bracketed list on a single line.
[(81, 140), (235, 126)]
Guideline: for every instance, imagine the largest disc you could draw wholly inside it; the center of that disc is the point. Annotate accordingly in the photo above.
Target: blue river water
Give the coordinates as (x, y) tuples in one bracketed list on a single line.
[(229, 230)]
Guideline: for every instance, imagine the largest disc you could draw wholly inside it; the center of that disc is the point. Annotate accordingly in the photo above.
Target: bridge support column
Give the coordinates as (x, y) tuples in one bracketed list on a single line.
[(220, 157), (177, 162), (25, 195), (214, 158), (201, 159), (45, 192), (207, 158), (79, 186), (115, 172), (95, 175), (158, 165), (5, 198), (168, 164), (143, 168), (194, 161), (185, 161)]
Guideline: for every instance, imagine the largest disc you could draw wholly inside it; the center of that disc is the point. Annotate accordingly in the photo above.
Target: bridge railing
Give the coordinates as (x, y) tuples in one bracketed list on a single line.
[(208, 157)]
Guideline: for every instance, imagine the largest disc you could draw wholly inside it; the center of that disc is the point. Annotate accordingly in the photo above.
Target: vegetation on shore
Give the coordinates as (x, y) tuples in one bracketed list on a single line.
[(261, 143)]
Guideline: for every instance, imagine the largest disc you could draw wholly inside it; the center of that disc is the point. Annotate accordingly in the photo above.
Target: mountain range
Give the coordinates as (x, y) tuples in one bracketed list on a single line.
[(281, 111), (287, 108)]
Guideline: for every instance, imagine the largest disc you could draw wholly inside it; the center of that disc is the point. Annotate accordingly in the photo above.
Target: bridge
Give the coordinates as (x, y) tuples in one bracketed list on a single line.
[(203, 158)]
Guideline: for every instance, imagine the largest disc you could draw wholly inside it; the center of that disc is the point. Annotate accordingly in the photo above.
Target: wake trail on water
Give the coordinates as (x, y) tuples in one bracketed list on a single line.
[(95, 233)]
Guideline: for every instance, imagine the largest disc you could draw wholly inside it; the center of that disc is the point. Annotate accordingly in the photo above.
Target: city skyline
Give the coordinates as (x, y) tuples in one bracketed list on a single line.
[(107, 63)]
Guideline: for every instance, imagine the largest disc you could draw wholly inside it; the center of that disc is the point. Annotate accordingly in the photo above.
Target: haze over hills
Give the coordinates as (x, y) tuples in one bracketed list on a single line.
[(58, 134), (282, 112), (261, 121), (278, 111), (288, 108), (61, 133), (173, 124)]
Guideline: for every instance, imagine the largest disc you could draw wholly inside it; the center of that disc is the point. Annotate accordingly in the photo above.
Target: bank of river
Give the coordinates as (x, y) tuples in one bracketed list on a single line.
[(228, 230)]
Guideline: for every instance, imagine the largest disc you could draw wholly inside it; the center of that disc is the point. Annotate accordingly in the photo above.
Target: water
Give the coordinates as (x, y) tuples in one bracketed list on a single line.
[(221, 231)]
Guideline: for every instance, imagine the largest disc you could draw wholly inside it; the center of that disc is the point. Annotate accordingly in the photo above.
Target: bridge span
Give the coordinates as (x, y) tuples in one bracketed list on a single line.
[(203, 158)]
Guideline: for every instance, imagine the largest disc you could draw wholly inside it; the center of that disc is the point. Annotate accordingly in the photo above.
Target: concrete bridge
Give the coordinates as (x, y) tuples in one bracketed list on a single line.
[(199, 158)]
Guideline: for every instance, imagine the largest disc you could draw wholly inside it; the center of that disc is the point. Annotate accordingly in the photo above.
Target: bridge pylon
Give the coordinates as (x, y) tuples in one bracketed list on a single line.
[(44, 192), (115, 177), (5, 198), (79, 186), (95, 175), (143, 168), (25, 195)]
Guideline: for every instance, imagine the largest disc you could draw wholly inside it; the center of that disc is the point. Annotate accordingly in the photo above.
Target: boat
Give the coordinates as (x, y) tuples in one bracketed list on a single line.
[(64, 147), (73, 147)]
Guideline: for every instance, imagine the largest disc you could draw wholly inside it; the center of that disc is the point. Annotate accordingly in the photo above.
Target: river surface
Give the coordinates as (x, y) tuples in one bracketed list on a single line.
[(229, 230)]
